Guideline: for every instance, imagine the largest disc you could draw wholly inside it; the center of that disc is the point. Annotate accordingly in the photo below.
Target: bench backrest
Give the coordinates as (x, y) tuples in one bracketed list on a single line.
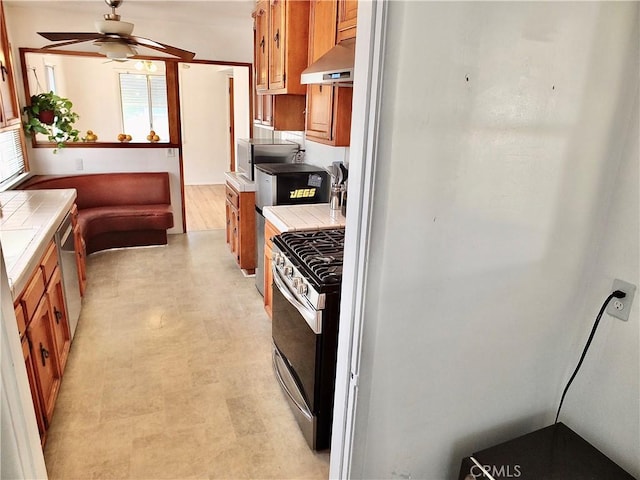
[(109, 189)]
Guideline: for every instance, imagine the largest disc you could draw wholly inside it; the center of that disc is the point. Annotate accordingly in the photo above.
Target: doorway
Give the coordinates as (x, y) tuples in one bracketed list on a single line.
[(214, 103)]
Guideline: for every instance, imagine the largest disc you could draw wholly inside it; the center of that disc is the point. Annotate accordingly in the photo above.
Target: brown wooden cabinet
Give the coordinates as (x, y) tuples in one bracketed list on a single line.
[(285, 110), (44, 330), (280, 112), (269, 232), (33, 386), (241, 227), (328, 107), (261, 47), (55, 297), (347, 19), (44, 358), (9, 109), (281, 45)]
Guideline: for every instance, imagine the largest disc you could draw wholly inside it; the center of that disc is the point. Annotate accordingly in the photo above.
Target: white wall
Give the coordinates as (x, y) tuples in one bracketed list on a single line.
[(499, 129), (204, 101), (103, 160), (603, 401), (241, 102)]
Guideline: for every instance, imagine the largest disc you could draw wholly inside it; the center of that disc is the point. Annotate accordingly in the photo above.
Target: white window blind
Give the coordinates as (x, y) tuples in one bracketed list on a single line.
[(11, 156), (144, 105)]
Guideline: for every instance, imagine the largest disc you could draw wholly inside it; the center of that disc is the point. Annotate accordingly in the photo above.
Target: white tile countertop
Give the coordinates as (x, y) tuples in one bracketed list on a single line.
[(28, 221), (240, 182), (318, 216)]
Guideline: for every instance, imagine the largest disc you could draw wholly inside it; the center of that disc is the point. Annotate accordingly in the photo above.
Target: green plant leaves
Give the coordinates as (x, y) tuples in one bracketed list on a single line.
[(61, 130)]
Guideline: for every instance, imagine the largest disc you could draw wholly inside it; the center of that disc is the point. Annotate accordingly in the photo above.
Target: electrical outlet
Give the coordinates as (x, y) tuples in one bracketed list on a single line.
[(79, 164), (171, 152), (620, 307)]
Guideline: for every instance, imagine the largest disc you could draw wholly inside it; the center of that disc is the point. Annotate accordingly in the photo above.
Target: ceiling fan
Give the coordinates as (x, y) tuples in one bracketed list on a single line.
[(114, 38)]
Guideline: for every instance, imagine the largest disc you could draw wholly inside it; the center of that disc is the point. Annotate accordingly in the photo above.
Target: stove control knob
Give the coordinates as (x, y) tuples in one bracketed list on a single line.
[(295, 281), (288, 271), (280, 261), (275, 257), (303, 289)]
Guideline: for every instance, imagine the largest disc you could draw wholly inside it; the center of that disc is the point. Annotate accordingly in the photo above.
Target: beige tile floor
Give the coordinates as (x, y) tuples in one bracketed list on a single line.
[(169, 375)]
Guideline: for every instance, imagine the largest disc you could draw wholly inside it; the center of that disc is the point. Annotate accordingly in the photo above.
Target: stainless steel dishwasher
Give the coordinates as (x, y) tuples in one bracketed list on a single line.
[(69, 270)]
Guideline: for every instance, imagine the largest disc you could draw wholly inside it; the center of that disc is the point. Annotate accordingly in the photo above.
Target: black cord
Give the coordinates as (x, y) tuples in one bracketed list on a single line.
[(616, 294)]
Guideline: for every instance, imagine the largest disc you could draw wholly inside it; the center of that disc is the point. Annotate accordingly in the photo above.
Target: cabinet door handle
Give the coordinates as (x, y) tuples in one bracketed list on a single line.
[(262, 44), (58, 315), (44, 353), (276, 38), (4, 70)]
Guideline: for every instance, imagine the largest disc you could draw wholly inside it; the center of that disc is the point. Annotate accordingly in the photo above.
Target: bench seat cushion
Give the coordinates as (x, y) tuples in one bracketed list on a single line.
[(124, 226), (93, 221)]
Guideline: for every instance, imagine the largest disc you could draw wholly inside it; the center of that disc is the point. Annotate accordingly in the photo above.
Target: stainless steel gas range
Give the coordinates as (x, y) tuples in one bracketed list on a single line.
[(307, 276)]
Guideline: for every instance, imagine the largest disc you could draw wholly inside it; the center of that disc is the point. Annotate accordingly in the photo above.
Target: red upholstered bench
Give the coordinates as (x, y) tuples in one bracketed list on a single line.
[(117, 209)]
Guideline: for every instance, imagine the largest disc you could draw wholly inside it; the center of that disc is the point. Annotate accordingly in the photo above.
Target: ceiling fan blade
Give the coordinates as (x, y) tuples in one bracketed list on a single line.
[(62, 36), (64, 44), (161, 47)]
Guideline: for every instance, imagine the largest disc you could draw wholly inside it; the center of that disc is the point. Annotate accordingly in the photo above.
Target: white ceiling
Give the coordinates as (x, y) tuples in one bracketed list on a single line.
[(206, 12)]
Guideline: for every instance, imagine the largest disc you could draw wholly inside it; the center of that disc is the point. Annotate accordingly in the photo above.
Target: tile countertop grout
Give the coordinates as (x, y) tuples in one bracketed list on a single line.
[(41, 211), (287, 218), (240, 182)]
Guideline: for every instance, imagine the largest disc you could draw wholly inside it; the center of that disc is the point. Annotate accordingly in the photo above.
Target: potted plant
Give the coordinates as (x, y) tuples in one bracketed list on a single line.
[(51, 115)]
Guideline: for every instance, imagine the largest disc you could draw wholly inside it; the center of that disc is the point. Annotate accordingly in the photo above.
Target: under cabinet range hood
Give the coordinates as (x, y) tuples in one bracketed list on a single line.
[(335, 66)]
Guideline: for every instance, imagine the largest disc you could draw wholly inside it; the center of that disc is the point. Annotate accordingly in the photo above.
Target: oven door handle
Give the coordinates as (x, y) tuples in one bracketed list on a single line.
[(309, 315), (303, 408)]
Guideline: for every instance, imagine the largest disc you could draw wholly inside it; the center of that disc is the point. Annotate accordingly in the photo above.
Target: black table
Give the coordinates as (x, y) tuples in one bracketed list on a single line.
[(551, 453)]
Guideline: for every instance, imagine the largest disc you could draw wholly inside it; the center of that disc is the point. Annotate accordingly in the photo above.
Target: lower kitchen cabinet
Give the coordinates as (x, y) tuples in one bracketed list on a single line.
[(33, 386), (55, 297), (241, 227), (44, 330), (270, 231), (44, 358)]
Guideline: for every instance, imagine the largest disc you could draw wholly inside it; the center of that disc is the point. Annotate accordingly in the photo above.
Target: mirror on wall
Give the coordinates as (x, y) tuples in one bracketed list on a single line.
[(112, 98)]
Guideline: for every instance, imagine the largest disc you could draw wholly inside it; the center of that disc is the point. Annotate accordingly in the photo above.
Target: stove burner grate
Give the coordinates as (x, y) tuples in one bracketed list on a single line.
[(321, 252)]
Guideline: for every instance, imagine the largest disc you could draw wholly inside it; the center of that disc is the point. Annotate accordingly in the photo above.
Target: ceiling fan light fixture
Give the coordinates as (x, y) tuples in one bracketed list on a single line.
[(116, 50), (114, 27)]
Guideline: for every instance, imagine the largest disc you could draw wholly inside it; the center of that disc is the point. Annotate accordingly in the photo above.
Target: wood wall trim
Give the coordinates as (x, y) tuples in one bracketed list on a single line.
[(107, 145)]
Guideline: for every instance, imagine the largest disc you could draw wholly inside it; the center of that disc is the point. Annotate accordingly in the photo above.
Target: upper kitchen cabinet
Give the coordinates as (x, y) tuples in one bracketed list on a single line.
[(9, 110), (328, 107), (347, 19), (281, 45), (261, 45), (280, 112)]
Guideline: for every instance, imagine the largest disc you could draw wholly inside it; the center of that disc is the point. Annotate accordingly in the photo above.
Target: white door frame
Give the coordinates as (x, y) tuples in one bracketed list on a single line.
[(370, 42)]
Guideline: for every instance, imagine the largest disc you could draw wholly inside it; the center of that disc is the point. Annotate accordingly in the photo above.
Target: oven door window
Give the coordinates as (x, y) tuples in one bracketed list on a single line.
[(297, 343)]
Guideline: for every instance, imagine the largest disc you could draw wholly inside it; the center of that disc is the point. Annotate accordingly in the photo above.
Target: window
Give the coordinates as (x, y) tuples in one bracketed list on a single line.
[(50, 73), (144, 105), (11, 156)]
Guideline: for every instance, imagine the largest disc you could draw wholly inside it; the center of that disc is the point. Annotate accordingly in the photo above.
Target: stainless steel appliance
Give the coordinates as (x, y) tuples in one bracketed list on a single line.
[(285, 184), (252, 151), (69, 269), (307, 276)]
